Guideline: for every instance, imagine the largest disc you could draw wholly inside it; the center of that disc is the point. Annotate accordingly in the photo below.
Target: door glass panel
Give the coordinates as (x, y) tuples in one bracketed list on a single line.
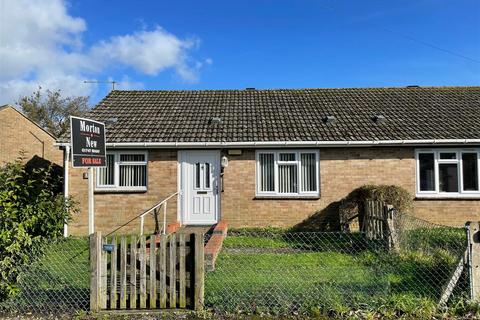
[(427, 171), (448, 155), (197, 175), (470, 171), (207, 175), (448, 175)]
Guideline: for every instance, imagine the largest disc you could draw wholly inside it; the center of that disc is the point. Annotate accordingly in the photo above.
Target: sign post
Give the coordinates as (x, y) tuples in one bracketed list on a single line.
[(88, 151)]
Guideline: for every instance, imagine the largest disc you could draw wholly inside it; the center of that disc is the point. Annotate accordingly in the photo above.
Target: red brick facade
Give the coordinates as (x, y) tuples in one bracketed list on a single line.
[(341, 171)]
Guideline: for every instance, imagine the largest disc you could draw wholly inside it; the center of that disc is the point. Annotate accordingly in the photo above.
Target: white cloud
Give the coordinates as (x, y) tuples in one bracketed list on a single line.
[(147, 51), (41, 44)]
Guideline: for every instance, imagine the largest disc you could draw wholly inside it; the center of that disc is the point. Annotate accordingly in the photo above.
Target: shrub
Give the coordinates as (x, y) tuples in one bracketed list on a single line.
[(352, 204), (31, 210)]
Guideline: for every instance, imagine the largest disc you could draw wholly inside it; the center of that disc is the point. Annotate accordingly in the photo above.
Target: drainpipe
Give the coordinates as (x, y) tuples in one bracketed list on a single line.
[(66, 157)]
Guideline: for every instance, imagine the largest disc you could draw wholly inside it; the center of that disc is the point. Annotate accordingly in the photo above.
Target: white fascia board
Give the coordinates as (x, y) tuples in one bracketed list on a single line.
[(253, 144)]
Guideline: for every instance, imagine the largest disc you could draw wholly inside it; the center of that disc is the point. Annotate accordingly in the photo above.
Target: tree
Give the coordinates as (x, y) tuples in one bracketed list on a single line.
[(52, 111)]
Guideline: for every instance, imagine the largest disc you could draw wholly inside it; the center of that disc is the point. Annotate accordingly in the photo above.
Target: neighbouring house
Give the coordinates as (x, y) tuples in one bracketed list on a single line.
[(258, 158), (20, 134)]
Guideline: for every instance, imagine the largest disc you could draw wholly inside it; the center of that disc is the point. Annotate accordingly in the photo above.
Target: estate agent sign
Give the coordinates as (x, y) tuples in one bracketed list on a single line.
[(88, 142)]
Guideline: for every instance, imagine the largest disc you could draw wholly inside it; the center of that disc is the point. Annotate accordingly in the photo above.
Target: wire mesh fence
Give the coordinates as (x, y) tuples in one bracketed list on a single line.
[(54, 281), (279, 272)]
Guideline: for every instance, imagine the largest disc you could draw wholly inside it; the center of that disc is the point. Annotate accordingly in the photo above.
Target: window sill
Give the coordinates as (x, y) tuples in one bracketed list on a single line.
[(447, 197), (286, 197), (103, 191)]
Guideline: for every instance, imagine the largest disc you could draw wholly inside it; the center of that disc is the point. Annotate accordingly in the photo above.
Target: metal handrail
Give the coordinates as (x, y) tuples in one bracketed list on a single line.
[(158, 205)]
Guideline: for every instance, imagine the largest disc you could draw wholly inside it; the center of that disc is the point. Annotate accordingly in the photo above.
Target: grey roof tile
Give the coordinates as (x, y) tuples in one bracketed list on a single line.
[(291, 114)]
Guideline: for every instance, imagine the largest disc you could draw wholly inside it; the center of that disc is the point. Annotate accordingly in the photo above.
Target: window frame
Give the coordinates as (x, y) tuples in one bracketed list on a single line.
[(297, 163), (116, 172), (437, 161)]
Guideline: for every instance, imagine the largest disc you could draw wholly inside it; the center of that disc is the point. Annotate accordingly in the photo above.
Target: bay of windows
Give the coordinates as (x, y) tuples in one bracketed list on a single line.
[(287, 173), (124, 171), (447, 172)]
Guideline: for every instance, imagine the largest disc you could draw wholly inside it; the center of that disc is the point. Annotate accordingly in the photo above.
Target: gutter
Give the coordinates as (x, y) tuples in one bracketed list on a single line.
[(273, 144)]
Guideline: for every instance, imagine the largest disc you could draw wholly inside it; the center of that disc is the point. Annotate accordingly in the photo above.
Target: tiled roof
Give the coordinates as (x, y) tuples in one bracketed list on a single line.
[(291, 115)]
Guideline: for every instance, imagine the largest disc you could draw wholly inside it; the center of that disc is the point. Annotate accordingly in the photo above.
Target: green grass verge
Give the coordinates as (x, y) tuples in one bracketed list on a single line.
[(57, 280), (282, 273)]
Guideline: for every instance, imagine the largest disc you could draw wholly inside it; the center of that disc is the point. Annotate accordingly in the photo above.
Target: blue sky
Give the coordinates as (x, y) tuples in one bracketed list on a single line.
[(262, 44)]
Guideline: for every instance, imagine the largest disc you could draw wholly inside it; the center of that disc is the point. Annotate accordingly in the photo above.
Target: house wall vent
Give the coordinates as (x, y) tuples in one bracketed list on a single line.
[(378, 118), (215, 120), (111, 121), (329, 119)]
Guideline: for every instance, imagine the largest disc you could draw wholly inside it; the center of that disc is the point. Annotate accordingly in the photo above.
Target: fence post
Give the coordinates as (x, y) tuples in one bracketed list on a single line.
[(95, 270), (391, 234), (199, 272), (473, 238)]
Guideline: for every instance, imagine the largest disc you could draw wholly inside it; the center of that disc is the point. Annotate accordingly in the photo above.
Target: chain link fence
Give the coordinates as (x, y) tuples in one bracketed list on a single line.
[(279, 272), (55, 281)]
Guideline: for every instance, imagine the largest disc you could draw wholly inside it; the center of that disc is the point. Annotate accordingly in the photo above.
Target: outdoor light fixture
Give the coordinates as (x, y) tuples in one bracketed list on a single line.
[(224, 162)]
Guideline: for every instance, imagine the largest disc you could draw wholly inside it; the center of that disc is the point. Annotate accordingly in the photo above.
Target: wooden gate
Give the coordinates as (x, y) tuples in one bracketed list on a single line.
[(378, 223), (164, 271)]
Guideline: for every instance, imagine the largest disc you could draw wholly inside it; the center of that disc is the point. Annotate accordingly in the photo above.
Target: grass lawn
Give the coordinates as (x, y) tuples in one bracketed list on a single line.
[(57, 280), (280, 273), (313, 272)]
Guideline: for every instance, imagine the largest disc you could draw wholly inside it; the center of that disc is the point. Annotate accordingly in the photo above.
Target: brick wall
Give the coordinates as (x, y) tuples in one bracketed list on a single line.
[(114, 209), (341, 171), (18, 133)]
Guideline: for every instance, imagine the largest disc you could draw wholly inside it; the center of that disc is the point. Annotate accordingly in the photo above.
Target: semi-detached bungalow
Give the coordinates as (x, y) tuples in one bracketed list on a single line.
[(279, 157)]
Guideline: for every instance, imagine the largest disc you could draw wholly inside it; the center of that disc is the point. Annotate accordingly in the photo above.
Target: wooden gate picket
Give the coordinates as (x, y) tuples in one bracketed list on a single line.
[(126, 273), (378, 223)]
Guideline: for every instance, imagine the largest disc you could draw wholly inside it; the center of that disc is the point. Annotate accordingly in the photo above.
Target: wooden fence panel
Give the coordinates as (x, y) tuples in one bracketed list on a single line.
[(113, 275), (199, 272), (124, 275), (153, 273), (143, 273), (378, 223), (182, 299), (163, 271), (133, 272), (172, 272), (104, 280)]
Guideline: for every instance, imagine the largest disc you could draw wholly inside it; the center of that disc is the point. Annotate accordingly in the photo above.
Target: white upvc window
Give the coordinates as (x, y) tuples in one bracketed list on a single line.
[(124, 171), (448, 173), (285, 173)]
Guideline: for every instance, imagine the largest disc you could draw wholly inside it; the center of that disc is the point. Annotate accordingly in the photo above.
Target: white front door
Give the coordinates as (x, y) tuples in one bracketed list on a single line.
[(199, 174)]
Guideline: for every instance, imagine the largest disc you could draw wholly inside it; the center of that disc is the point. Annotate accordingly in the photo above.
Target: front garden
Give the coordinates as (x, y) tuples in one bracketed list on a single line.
[(278, 272)]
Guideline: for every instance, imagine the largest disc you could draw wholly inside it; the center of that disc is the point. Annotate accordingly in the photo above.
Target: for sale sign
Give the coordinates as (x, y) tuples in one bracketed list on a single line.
[(88, 142)]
